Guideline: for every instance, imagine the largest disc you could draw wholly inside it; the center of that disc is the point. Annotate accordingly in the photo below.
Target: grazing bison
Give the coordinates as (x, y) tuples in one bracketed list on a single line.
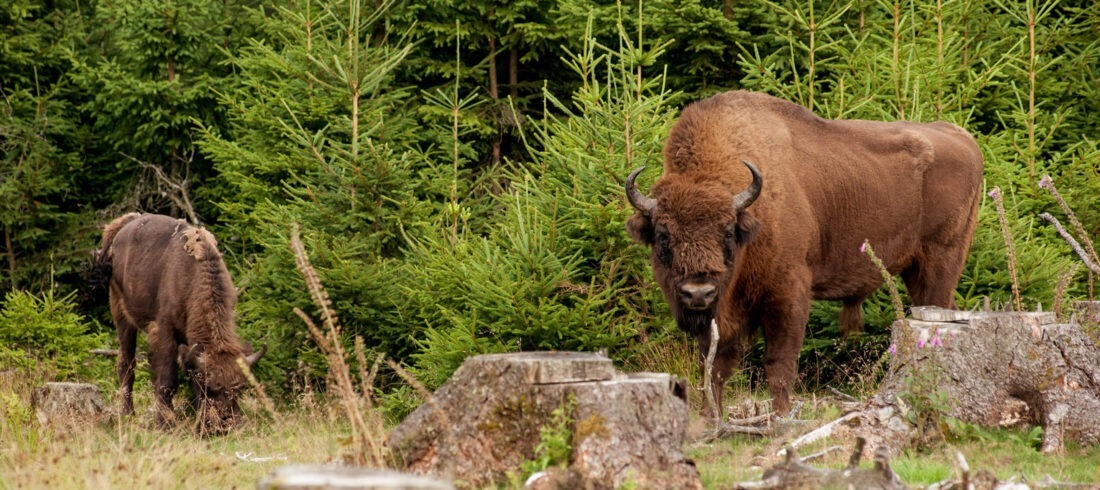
[(168, 279), (763, 206)]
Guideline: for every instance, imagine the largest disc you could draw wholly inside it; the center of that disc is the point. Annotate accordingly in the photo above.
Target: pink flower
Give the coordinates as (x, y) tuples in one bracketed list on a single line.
[(863, 248), (935, 341), (995, 193), (893, 350), (920, 343), (1046, 182)]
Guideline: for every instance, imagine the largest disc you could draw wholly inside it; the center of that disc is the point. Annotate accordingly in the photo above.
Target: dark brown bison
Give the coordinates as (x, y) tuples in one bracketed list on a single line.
[(763, 207), (168, 279)]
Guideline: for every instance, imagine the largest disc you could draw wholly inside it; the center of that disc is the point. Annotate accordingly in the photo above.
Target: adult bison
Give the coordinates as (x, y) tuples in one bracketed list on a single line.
[(168, 279), (763, 206)]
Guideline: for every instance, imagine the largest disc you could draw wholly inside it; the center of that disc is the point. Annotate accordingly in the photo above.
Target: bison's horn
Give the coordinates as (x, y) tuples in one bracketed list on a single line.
[(194, 357), (747, 196), (641, 202), (255, 356)]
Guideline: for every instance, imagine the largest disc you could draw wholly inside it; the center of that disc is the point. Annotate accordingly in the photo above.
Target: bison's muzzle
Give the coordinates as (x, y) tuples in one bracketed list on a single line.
[(696, 295)]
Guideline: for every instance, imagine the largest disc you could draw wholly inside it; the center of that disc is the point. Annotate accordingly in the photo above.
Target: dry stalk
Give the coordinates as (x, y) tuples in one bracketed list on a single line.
[(1010, 247), (904, 339), (313, 283), (1060, 288), (367, 451), (264, 399)]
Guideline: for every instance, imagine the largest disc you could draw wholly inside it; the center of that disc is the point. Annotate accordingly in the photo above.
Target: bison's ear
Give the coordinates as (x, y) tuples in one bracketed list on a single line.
[(640, 228), (747, 227)]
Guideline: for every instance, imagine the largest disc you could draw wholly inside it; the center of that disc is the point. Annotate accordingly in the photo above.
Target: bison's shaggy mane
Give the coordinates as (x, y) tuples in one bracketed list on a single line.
[(213, 296)]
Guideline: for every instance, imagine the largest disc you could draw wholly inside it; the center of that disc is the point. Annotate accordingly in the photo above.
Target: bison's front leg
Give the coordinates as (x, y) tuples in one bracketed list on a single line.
[(165, 377), (784, 328)]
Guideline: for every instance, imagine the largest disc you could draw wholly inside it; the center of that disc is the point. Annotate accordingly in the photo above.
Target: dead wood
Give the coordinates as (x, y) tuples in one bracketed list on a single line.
[(625, 429), (793, 473), (989, 369)]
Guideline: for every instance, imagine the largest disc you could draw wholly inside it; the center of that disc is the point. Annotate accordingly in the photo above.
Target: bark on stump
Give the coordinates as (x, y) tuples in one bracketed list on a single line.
[(68, 404), (485, 422), (991, 369), (346, 478)]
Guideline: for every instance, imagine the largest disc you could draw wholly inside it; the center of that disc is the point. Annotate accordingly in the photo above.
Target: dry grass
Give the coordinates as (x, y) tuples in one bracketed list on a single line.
[(134, 454)]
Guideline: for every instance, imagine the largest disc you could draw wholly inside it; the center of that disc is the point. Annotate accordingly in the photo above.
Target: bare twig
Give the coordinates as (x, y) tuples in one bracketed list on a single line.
[(822, 453), (176, 190), (842, 395), (1047, 183), (708, 387), (1093, 266), (752, 420), (820, 432)]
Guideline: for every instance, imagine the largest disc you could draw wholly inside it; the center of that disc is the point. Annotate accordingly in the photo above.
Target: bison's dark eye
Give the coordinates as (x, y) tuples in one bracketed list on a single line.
[(663, 249), (729, 242)]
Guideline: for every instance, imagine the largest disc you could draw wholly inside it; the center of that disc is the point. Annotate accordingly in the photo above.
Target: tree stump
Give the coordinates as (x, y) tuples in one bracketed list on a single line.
[(345, 478), (988, 369), (68, 404), (485, 423)]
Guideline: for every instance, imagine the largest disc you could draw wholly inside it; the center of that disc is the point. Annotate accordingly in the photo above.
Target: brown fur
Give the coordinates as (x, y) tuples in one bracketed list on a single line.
[(911, 189), (168, 279)]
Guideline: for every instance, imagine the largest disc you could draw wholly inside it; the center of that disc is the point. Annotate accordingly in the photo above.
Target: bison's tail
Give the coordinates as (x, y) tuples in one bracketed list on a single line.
[(101, 261)]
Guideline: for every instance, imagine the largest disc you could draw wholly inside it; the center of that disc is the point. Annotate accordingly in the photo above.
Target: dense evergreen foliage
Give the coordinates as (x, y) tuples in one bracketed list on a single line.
[(456, 167)]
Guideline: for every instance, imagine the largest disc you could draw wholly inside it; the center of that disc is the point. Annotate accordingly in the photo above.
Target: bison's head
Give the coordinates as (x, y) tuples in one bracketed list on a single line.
[(696, 228), (216, 381)]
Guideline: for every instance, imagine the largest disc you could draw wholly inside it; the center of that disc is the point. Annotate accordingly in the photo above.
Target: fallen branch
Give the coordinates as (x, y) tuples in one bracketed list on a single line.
[(817, 434), (793, 472)]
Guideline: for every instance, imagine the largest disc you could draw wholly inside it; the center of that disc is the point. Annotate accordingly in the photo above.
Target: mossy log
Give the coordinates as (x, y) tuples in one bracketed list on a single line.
[(484, 423)]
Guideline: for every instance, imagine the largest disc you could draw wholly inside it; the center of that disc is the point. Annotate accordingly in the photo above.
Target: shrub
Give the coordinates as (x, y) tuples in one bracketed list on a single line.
[(43, 334)]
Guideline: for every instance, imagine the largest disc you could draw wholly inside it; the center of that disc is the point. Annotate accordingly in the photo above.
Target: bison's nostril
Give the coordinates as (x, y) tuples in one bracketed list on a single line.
[(698, 295)]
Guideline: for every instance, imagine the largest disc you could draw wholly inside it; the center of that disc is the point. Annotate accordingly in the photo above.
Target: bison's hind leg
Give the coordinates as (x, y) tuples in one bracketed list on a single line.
[(932, 280)]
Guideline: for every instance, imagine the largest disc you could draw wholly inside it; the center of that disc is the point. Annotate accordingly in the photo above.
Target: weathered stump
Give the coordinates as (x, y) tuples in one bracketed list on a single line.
[(345, 478), (68, 403), (989, 369), (486, 421)]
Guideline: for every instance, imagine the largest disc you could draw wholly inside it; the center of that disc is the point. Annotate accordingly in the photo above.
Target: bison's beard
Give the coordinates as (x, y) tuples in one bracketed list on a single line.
[(695, 322)]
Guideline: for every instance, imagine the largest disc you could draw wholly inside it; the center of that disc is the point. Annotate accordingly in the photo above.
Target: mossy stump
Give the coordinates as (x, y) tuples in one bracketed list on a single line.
[(484, 423)]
